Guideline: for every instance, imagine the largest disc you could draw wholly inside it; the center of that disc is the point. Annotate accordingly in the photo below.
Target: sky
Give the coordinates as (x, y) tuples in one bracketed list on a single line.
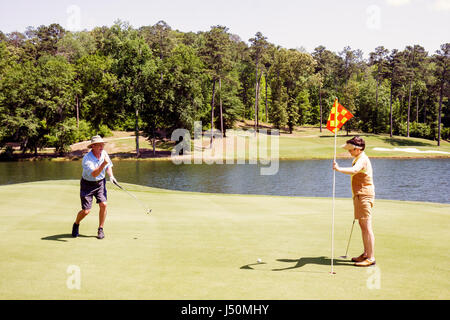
[(335, 24)]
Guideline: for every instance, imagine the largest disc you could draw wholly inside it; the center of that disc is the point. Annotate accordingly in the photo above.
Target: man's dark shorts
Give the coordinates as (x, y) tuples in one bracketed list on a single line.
[(90, 189)]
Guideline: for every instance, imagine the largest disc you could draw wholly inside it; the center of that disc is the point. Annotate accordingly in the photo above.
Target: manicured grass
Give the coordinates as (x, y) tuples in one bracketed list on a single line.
[(322, 146), (205, 246), (309, 143)]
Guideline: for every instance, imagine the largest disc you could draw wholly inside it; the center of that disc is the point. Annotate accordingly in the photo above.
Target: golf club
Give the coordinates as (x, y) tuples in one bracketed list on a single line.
[(147, 210), (346, 252)]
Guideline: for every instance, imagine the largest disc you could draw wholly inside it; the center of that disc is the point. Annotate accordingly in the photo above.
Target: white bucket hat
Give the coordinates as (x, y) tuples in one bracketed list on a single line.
[(94, 140)]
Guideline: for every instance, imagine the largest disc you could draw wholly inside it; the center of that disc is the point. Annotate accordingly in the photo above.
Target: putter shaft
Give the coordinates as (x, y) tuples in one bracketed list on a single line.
[(148, 210), (349, 238)]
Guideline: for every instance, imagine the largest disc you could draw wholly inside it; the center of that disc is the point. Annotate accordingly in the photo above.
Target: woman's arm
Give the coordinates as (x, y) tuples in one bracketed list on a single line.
[(359, 165)]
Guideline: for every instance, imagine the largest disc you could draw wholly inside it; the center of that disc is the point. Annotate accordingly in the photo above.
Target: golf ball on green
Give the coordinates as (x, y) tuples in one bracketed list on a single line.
[(259, 260)]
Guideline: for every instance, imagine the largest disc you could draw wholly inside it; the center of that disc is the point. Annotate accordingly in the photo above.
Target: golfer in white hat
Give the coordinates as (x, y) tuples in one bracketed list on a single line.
[(93, 183)]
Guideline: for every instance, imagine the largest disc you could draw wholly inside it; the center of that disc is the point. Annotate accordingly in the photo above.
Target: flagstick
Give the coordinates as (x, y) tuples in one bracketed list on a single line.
[(346, 115), (334, 191)]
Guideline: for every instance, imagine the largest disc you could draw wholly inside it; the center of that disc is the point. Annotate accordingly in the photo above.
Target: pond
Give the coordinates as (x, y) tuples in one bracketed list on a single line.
[(409, 179)]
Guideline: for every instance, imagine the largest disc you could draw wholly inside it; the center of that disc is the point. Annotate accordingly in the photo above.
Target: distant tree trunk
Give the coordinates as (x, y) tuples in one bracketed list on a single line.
[(220, 102), (417, 109), (154, 142), (374, 117), (256, 100), (257, 95), (136, 130), (24, 145), (410, 89), (267, 116), (212, 112), (320, 103), (425, 113), (244, 99), (409, 109), (78, 113), (390, 112), (440, 111), (402, 104)]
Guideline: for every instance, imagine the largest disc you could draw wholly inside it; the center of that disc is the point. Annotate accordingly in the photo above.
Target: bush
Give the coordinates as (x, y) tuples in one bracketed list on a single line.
[(84, 131), (417, 130), (445, 133), (103, 131), (63, 135), (129, 124), (66, 133)]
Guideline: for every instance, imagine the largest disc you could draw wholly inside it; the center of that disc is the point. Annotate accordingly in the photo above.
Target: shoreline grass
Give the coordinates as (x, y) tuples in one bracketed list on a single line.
[(305, 143)]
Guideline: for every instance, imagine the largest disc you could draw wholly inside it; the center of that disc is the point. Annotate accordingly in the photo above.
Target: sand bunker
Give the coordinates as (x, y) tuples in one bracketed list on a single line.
[(411, 150)]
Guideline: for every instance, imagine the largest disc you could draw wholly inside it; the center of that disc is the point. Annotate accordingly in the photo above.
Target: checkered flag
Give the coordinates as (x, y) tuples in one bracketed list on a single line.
[(338, 117)]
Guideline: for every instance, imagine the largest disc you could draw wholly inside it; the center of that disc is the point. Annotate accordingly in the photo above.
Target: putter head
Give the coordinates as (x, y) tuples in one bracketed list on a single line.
[(117, 184), (343, 257)]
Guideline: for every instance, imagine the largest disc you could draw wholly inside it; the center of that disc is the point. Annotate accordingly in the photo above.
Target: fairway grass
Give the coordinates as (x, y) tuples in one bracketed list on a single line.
[(206, 246), (303, 144)]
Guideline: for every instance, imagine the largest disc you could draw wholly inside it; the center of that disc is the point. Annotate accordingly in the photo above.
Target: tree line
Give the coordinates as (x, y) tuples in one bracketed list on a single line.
[(58, 87)]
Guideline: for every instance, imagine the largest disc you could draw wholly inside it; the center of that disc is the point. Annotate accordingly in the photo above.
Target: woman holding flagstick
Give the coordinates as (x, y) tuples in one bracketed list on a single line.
[(338, 117), (363, 191)]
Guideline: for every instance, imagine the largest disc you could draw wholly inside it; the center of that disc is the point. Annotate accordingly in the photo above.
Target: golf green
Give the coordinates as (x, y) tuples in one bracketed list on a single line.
[(206, 246)]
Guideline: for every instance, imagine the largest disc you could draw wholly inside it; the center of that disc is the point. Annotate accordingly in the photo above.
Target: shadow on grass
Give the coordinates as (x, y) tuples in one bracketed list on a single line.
[(344, 135), (249, 266), (405, 142), (392, 141), (144, 153), (61, 237), (298, 263), (313, 260)]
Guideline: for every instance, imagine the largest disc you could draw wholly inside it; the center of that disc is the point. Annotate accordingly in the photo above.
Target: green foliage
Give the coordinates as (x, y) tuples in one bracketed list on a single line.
[(182, 87), (246, 92), (62, 135), (104, 131), (308, 115), (66, 133), (290, 71), (85, 131), (128, 123), (417, 130), (157, 79), (372, 117), (19, 121), (96, 85), (75, 45), (445, 133)]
